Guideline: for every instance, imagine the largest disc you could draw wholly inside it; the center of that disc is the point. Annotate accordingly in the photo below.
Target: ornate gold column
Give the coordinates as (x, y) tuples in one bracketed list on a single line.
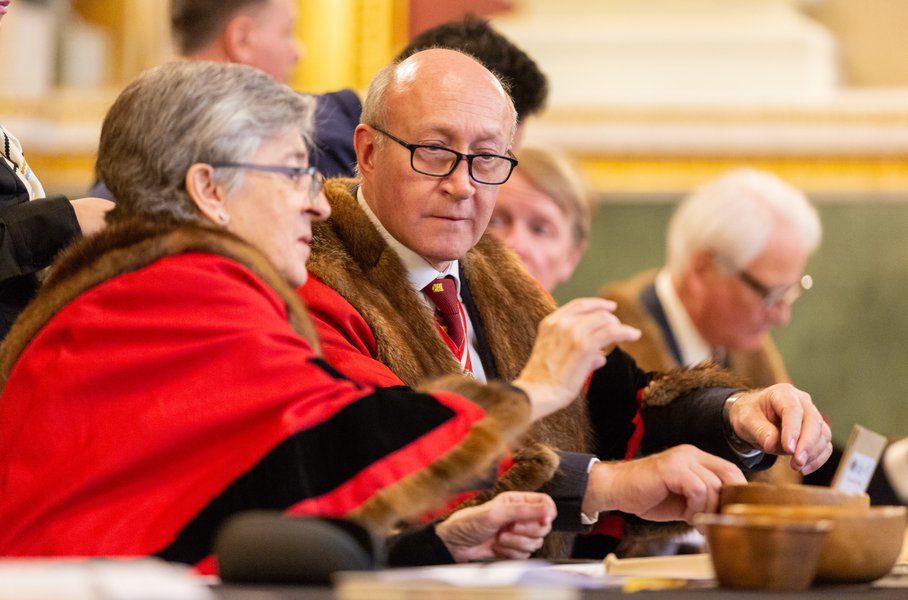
[(347, 41)]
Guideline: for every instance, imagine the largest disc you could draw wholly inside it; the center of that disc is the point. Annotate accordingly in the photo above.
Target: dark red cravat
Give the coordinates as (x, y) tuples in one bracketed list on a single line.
[(450, 318)]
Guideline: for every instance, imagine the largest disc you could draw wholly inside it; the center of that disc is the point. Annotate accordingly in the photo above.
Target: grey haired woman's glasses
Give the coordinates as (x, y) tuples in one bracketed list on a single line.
[(297, 175)]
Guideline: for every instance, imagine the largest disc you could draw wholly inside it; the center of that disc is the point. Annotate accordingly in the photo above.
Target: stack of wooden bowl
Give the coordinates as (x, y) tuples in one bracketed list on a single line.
[(786, 536)]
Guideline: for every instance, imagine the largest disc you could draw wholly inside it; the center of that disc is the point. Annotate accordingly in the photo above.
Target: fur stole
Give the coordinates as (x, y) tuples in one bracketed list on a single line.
[(350, 256), (128, 246)]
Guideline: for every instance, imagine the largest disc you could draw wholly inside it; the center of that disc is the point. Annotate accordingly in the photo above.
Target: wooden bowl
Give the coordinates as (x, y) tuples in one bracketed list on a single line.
[(863, 544), (760, 552), (789, 493)]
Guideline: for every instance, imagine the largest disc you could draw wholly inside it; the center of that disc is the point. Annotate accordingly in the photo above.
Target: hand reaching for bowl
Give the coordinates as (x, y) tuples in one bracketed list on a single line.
[(782, 419)]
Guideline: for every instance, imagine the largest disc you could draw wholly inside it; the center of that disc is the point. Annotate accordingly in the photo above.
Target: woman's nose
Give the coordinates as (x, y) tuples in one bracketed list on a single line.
[(319, 207)]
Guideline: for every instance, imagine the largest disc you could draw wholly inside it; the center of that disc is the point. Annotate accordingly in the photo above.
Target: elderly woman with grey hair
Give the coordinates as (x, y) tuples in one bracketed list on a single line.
[(167, 376)]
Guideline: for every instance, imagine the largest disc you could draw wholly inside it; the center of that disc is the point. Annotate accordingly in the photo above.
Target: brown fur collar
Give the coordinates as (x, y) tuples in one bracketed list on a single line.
[(350, 256), (130, 246)]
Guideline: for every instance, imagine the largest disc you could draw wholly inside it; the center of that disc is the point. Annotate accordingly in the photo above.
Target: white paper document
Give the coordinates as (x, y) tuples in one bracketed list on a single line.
[(98, 579), (859, 460)]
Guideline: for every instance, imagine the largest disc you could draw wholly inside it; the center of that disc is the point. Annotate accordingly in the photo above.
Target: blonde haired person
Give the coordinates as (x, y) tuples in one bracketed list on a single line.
[(544, 213)]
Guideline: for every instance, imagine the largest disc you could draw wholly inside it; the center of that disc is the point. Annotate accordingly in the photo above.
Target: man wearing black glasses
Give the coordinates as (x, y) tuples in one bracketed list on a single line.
[(405, 286)]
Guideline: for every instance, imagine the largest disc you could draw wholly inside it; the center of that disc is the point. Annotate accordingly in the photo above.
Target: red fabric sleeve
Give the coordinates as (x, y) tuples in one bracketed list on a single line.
[(347, 340)]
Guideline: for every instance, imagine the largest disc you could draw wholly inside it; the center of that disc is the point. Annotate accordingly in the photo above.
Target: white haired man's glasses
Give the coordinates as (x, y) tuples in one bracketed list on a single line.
[(771, 295)]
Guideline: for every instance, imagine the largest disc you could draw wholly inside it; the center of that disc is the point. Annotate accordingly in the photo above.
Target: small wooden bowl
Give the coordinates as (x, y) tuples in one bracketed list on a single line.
[(789, 493), (863, 544), (760, 552)]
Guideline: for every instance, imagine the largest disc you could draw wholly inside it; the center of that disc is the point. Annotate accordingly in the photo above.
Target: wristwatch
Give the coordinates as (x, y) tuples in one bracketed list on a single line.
[(737, 444)]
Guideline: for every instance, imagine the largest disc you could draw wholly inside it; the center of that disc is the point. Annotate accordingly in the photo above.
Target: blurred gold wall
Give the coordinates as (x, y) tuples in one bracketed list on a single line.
[(871, 37), (139, 31), (347, 41)]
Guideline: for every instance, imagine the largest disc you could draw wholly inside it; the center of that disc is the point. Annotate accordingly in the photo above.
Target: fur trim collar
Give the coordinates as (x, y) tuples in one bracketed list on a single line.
[(350, 256), (507, 415), (129, 246)]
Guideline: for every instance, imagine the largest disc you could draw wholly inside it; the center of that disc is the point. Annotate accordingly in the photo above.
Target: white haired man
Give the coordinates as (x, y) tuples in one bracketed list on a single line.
[(736, 252), (737, 248)]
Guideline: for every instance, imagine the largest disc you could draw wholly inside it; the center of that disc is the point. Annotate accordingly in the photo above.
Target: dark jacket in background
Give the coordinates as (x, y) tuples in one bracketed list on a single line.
[(32, 232)]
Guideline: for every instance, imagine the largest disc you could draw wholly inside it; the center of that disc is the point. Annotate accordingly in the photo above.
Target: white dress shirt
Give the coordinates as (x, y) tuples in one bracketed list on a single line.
[(693, 348)]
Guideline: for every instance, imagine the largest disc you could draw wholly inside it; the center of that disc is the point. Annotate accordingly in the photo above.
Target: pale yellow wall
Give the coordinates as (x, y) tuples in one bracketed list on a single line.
[(872, 40), (139, 31)]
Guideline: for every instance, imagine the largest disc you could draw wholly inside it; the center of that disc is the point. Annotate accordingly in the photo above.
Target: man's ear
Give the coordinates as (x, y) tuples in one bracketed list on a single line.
[(703, 262), (239, 39), (205, 194), (364, 143)]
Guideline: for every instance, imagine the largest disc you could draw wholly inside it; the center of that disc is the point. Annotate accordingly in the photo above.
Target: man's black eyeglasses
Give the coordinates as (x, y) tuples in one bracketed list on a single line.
[(438, 161)]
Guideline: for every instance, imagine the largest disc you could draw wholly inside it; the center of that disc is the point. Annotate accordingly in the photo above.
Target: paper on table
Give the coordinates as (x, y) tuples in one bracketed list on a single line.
[(683, 566), (862, 453), (97, 579), (523, 580)]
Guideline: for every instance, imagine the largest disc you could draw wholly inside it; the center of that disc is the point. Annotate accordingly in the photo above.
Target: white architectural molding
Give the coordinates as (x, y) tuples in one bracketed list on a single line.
[(675, 52)]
